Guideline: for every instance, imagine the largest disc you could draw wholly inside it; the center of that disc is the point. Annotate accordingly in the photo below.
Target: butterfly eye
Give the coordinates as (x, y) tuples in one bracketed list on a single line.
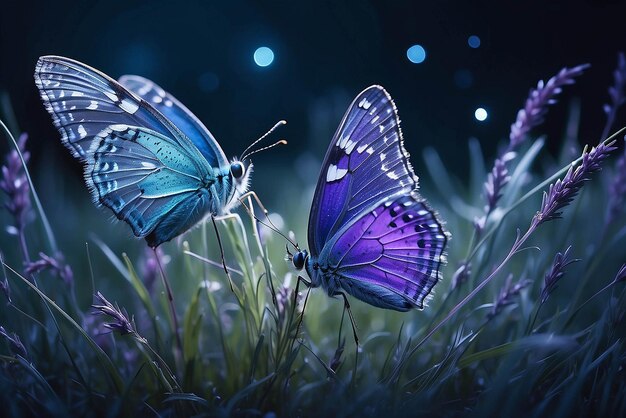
[(236, 169), (299, 258)]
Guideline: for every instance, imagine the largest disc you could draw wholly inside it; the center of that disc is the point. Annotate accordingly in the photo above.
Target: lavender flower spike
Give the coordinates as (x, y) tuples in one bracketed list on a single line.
[(564, 191), (530, 116), (617, 190), (15, 185), (616, 93), (556, 272), (537, 103), (496, 180)]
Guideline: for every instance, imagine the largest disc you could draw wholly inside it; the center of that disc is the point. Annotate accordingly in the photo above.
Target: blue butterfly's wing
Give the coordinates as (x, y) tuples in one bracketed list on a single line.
[(365, 163), (180, 116), (83, 102), (390, 257), (138, 163), (149, 181)]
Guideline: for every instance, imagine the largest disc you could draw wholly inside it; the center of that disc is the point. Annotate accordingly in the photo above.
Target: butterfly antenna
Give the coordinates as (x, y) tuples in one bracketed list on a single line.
[(279, 123), (281, 142)]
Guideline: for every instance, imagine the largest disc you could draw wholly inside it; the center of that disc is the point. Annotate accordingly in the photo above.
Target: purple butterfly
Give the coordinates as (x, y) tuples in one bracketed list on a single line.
[(371, 234)]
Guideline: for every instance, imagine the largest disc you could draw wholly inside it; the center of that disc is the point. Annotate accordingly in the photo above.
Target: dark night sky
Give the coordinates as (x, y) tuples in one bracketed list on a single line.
[(326, 52)]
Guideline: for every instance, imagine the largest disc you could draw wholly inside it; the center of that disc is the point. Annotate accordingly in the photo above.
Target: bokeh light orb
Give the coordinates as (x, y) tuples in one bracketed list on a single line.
[(480, 114), (263, 56), (416, 54), (473, 41)]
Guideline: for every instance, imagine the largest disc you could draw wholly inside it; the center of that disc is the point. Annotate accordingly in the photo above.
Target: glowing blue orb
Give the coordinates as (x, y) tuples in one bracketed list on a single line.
[(416, 54), (263, 56), (480, 114), (473, 41)]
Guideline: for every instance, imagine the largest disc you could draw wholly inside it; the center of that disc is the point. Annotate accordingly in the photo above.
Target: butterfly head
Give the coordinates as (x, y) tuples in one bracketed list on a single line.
[(299, 259), (240, 174)]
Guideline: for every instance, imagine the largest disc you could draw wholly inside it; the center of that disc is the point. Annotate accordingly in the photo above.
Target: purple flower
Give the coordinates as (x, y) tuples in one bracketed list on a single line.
[(55, 264), (617, 190), (506, 295), (149, 266), (616, 93), (536, 106), (556, 272), (14, 342), (461, 275), (496, 180), (15, 185), (530, 116), (563, 191), (121, 323)]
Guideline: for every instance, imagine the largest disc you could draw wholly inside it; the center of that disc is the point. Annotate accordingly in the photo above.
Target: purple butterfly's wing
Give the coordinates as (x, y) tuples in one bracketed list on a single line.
[(365, 163), (84, 102), (391, 256), (180, 116)]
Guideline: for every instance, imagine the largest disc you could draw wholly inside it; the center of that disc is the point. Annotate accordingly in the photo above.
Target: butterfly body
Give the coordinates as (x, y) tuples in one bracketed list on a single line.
[(146, 156), (371, 234)]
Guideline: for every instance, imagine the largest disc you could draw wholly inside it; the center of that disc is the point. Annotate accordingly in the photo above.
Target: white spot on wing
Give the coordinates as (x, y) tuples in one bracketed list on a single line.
[(129, 106), (111, 96), (148, 165), (370, 150), (392, 175), (77, 94), (335, 173), (361, 148), (118, 127), (350, 146), (382, 156), (382, 128), (93, 105), (364, 104), (157, 99), (375, 119), (82, 131)]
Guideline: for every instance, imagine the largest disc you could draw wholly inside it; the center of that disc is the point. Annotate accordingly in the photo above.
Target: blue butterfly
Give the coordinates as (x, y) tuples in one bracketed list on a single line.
[(146, 156), (370, 233)]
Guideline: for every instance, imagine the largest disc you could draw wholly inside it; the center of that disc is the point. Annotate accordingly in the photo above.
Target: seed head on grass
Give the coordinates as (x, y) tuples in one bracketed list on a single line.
[(556, 272), (561, 193), (120, 321), (55, 264), (14, 342)]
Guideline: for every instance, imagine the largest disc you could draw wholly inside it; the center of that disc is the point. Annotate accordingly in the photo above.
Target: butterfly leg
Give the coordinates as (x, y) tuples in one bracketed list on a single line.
[(295, 301), (346, 306), (219, 242)]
